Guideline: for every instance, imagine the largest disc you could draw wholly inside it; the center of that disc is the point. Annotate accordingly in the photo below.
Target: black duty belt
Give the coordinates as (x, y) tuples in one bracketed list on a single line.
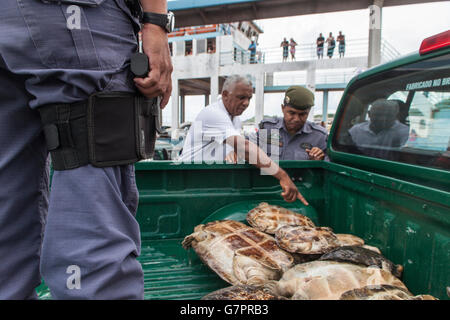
[(108, 129)]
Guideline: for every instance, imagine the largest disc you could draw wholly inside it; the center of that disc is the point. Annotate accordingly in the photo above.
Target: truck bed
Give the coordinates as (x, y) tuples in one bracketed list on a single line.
[(409, 223), (170, 273)]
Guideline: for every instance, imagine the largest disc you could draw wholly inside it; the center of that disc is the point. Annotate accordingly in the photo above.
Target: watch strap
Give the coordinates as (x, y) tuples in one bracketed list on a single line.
[(155, 18)]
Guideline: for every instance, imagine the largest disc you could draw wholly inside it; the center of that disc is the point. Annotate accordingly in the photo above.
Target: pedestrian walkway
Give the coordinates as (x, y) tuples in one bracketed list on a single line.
[(306, 52)]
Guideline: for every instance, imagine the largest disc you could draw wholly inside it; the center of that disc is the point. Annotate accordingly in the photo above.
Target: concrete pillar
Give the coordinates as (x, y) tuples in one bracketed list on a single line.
[(325, 106), (175, 106), (311, 85), (160, 115), (182, 108), (374, 55), (194, 47), (259, 99), (214, 87), (269, 79), (214, 80)]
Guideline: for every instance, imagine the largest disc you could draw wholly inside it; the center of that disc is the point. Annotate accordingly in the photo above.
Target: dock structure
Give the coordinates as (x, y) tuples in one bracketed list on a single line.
[(202, 60), (203, 12), (204, 55)]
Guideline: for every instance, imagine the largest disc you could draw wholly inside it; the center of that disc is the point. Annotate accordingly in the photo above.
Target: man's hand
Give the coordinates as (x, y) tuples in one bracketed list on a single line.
[(159, 81), (315, 153), (290, 192), (253, 152), (231, 157)]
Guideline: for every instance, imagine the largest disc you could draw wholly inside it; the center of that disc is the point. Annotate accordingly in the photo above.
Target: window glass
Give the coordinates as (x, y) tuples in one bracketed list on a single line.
[(201, 46), (211, 45), (188, 47), (180, 48), (400, 115)]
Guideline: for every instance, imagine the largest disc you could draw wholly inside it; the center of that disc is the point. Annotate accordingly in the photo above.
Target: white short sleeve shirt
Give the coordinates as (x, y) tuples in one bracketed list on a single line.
[(205, 139)]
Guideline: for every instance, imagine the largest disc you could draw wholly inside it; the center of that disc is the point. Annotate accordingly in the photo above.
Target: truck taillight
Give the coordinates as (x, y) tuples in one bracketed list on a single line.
[(436, 42)]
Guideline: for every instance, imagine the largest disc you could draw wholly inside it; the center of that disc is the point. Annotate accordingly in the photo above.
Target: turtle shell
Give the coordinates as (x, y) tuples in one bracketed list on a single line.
[(362, 256), (377, 292), (349, 239), (306, 240), (303, 258), (268, 218), (328, 280), (240, 292), (382, 292), (239, 254)]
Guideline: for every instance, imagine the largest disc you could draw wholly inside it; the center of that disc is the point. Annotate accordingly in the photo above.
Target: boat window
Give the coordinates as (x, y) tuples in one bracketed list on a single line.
[(188, 48), (211, 45), (201, 46)]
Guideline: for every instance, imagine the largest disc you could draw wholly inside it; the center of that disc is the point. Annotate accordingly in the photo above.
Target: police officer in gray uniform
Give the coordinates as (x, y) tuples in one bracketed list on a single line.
[(83, 238), (293, 137)]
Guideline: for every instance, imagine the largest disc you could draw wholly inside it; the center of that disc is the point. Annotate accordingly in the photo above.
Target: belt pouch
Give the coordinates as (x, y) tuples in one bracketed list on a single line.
[(112, 129), (109, 129), (64, 126)]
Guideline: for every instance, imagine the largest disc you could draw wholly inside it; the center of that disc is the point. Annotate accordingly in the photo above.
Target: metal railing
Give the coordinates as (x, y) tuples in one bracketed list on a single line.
[(328, 77), (388, 51), (304, 52)]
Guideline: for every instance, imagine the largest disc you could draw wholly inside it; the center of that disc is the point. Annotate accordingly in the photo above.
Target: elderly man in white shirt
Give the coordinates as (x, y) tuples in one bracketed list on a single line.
[(215, 136)]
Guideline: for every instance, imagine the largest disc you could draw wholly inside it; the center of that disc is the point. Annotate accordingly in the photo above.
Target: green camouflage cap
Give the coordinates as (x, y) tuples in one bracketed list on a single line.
[(299, 98)]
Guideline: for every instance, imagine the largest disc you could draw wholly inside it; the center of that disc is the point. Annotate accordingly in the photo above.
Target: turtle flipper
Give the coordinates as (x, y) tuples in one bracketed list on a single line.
[(196, 236), (253, 272)]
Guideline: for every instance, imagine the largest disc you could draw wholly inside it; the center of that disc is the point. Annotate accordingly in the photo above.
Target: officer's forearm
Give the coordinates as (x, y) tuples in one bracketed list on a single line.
[(157, 6), (255, 156), (263, 161)]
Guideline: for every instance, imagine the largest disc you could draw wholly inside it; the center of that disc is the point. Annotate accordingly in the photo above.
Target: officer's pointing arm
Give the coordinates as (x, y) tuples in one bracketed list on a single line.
[(156, 47), (257, 157)]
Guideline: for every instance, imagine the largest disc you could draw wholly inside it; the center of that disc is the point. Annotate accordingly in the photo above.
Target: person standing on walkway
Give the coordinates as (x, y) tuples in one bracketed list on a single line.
[(285, 45), (330, 45), (252, 49), (292, 45), (341, 39), (320, 43)]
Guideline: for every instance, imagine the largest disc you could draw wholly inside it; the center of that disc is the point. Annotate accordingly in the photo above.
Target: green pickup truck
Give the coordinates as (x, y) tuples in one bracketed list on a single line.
[(393, 191)]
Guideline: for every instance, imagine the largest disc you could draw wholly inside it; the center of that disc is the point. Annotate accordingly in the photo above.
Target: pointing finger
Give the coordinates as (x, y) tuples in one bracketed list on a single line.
[(302, 199)]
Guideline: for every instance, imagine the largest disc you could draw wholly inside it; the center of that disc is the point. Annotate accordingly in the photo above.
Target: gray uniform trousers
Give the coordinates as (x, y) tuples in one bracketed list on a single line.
[(83, 238)]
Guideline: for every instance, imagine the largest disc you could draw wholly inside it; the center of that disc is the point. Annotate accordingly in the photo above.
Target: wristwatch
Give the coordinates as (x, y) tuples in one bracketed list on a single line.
[(165, 21)]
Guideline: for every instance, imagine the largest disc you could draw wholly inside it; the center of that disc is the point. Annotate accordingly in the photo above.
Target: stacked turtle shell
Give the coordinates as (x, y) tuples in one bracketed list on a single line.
[(283, 255)]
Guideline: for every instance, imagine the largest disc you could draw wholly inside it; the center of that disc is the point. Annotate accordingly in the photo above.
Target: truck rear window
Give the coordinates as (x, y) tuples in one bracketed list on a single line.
[(400, 115)]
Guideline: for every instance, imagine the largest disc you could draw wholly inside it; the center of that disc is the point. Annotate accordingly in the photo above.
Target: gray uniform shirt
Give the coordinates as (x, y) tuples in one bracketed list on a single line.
[(274, 139)]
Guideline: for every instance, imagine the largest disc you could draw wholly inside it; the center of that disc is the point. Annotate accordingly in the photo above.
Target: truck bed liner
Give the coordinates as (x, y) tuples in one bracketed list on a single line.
[(170, 273)]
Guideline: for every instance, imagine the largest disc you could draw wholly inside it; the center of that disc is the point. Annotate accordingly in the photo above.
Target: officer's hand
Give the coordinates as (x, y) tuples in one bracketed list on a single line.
[(159, 81), (231, 157), (315, 153), (290, 192)]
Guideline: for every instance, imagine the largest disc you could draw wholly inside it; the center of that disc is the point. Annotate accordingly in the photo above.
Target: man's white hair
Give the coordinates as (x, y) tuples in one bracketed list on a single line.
[(232, 80)]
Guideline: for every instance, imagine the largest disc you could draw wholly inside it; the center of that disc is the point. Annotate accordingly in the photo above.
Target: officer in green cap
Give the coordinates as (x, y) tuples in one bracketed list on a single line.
[(293, 137)]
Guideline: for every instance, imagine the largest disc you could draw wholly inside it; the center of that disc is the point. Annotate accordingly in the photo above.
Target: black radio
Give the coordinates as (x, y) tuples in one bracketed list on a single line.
[(135, 8)]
